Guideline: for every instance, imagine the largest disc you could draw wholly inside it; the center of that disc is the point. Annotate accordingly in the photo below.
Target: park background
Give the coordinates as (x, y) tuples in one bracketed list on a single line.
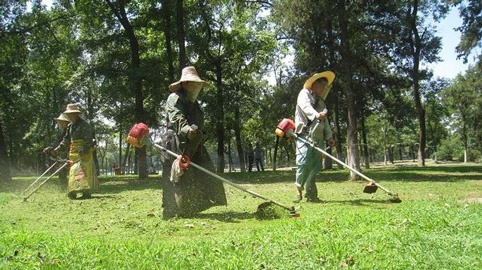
[(406, 109), (400, 92)]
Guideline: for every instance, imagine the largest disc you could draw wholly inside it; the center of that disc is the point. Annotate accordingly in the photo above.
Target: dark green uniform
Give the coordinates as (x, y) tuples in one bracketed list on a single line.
[(80, 130), (195, 191)]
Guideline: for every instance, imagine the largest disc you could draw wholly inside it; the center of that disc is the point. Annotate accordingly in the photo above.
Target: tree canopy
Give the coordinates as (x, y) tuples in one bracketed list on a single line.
[(116, 60)]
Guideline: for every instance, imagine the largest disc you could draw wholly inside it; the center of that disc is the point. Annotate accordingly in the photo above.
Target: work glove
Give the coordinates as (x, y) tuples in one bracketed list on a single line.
[(193, 132), (322, 115)]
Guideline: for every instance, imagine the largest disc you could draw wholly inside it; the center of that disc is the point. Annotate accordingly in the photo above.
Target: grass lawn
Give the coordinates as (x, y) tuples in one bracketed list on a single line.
[(437, 226)]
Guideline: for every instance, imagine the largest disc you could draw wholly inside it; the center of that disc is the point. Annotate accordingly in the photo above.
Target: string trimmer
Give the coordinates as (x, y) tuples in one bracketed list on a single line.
[(32, 188), (138, 137), (286, 129)]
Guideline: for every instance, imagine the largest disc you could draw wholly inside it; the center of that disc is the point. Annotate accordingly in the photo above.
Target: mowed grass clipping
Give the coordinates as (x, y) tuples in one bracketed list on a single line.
[(437, 225)]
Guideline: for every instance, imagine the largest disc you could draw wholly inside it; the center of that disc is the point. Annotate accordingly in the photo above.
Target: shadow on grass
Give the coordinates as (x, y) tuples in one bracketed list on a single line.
[(402, 173), (360, 202), (449, 173), (229, 217), (412, 176), (117, 186)]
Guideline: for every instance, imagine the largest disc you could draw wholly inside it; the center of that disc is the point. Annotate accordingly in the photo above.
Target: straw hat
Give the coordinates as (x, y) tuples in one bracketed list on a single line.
[(72, 108), (330, 77), (189, 74), (62, 117)]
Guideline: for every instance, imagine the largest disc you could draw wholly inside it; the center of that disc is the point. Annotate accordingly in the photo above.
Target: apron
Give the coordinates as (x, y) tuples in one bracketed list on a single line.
[(82, 175)]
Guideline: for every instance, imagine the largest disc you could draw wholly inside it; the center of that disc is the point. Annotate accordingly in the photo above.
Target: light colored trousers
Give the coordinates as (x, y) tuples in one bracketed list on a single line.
[(309, 163)]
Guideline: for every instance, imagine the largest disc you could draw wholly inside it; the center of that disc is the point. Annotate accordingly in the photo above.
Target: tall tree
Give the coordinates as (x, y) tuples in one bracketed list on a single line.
[(419, 44), (4, 164), (465, 98), (166, 12), (181, 37), (119, 10)]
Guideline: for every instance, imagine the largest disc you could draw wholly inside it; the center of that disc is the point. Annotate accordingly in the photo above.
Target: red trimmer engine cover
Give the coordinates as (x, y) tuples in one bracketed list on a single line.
[(137, 133), (139, 130), (285, 127)]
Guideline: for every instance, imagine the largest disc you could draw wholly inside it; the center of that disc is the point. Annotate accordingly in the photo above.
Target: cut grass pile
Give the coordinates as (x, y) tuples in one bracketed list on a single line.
[(437, 225)]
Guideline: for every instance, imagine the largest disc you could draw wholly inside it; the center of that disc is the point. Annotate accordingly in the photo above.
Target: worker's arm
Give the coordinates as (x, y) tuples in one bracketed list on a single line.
[(305, 103), (176, 115)]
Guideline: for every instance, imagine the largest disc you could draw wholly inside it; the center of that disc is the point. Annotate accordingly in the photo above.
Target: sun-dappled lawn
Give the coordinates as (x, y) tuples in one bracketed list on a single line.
[(437, 226)]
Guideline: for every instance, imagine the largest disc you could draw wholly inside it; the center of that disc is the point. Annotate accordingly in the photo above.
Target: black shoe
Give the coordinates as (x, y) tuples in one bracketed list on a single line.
[(298, 199), (86, 195), (314, 200)]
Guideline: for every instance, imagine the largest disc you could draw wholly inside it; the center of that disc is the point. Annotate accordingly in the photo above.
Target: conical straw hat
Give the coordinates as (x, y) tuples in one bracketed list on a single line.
[(72, 108), (189, 74)]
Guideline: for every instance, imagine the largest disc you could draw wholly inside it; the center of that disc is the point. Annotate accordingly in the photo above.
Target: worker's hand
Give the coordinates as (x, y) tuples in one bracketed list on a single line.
[(322, 115), (192, 133), (331, 143), (47, 150)]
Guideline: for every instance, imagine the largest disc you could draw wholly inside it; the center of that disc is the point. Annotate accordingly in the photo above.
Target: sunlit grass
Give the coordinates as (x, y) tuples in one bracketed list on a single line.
[(437, 226)]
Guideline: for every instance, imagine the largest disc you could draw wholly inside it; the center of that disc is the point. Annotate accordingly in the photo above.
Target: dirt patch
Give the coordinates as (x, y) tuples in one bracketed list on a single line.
[(474, 200)]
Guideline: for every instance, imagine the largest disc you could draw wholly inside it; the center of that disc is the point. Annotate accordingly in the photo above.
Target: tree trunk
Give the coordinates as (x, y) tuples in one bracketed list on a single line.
[(466, 142), (167, 33), (4, 164), (220, 118), (352, 138), (385, 150), (230, 159), (365, 142), (339, 150), (120, 144), (125, 163), (237, 135), (417, 47), (135, 78), (390, 154), (276, 145), (180, 35)]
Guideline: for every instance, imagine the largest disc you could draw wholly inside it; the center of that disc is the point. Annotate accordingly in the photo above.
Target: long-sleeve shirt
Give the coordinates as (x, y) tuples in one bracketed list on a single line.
[(307, 107), (80, 130), (182, 114)]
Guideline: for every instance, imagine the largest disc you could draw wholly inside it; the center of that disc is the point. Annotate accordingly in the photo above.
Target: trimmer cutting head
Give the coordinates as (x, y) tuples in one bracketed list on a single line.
[(370, 188), (293, 213), (269, 210), (395, 199)]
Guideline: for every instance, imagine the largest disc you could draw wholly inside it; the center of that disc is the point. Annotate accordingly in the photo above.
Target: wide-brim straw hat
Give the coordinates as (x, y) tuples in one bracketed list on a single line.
[(189, 74), (330, 77), (62, 117), (72, 108)]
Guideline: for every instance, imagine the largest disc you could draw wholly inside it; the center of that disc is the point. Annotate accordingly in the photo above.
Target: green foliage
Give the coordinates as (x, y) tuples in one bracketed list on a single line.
[(464, 98), (451, 149), (78, 51), (471, 13)]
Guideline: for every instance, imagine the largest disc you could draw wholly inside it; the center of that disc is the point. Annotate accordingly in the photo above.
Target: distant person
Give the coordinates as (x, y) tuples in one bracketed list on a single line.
[(258, 156), (79, 139), (312, 124), (188, 192), (62, 123)]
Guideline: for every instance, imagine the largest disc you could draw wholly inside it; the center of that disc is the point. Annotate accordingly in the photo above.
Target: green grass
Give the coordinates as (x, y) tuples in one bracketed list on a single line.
[(437, 226)]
